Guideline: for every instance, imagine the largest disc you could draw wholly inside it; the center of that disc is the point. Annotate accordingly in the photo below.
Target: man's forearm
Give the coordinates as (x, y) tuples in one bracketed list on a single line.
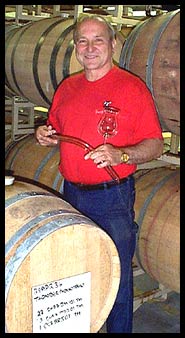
[(144, 151)]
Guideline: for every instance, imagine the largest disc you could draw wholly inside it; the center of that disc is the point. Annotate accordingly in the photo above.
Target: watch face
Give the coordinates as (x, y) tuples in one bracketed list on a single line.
[(124, 158)]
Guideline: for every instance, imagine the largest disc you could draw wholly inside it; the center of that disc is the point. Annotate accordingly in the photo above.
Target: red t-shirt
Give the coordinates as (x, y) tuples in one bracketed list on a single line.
[(77, 109)]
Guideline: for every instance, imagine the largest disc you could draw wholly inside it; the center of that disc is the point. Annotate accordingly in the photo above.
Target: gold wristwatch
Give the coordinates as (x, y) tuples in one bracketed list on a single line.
[(124, 158)]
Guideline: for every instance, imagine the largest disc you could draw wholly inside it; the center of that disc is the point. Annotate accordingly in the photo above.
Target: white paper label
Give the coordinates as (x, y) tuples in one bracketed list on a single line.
[(62, 306)]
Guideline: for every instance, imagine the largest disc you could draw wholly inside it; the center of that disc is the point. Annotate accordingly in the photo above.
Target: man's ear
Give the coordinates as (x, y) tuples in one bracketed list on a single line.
[(113, 45)]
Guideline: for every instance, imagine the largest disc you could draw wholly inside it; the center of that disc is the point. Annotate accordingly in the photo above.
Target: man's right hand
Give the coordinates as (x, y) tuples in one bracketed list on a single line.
[(43, 134)]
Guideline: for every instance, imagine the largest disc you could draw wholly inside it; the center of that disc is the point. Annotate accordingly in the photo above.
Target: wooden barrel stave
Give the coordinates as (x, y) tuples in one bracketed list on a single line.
[(157, 209)]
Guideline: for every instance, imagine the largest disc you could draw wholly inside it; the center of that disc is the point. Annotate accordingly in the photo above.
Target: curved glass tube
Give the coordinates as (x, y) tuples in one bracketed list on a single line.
[(85, 146)]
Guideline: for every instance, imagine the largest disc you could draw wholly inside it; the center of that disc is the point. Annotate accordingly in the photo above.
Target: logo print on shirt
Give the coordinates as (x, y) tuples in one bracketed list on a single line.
[(108, 126)]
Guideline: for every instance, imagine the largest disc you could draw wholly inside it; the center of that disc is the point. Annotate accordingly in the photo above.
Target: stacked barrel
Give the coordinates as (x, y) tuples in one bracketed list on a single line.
[(157, 208), (152, 51), (47, 240)]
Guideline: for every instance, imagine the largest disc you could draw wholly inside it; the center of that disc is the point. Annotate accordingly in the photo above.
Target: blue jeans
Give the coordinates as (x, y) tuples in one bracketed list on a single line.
[(113, 210)]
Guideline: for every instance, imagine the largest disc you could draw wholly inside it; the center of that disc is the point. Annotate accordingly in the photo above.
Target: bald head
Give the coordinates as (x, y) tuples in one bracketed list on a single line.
[(95, 17)]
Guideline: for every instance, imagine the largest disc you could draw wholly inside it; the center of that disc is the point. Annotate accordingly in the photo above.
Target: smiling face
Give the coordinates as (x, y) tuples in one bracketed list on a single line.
[(94, 47)]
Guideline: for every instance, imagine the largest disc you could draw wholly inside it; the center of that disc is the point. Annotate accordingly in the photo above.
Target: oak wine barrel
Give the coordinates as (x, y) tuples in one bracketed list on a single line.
[(152, 51), (157, 208), (48, 240), (29, 159)]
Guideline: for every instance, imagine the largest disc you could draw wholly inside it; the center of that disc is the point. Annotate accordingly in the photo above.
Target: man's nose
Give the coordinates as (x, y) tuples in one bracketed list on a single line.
[(90, 45)]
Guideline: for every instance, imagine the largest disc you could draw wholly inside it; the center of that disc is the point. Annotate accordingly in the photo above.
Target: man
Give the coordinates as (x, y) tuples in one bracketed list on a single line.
[(80, 104)]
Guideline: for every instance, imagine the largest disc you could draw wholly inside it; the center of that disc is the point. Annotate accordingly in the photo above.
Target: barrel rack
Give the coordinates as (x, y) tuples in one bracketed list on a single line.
[(116, 14), (158, 293), (20, 107)]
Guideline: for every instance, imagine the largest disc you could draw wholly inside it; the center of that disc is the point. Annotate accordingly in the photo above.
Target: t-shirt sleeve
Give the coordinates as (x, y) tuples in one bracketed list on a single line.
[(53, 113), (147, 124)]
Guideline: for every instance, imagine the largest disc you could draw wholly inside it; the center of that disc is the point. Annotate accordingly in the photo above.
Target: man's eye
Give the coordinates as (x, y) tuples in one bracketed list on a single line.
[(99, 40), (81, 42)]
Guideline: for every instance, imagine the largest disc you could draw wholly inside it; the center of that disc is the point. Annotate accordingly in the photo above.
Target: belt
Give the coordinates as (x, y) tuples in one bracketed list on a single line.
[(101, 186)]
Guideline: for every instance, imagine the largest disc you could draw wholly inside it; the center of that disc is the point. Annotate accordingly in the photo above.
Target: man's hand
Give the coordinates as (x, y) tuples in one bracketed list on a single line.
[(43, 134), (104, 155)]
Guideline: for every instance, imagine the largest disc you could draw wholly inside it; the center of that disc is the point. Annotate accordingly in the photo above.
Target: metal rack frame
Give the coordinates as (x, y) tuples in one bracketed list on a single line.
[(22, 106), (116, 15)]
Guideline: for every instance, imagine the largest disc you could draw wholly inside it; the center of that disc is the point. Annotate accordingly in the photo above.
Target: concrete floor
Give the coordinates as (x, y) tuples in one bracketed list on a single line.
[(157, 316), (160, 314)]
